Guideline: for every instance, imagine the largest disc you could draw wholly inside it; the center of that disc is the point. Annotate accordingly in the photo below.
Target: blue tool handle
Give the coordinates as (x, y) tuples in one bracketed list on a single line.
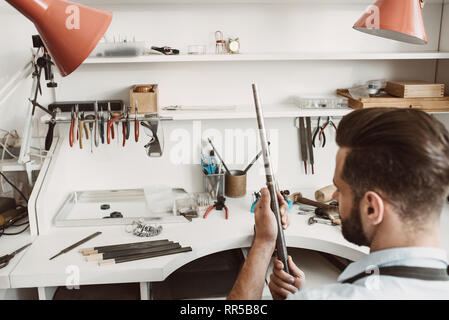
[(289, 202)]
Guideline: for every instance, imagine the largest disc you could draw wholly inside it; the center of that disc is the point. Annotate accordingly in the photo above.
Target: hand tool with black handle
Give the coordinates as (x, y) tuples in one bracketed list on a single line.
[(4, 260), (144, 256), (254, 161), (281, 247), (73, 246), (50, 132), (219, 157), (118, 247), (131, 252), (102, 121), (302, 141), (309, 143)]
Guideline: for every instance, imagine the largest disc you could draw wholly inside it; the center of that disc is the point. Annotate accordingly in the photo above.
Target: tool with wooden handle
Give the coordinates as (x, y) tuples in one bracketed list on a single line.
[(124, 246), (73, 246), (325, 194), (144, 256), (325, 209), (281, 246)]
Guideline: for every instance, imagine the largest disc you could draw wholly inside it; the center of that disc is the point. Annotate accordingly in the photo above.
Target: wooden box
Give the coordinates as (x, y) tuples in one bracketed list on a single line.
[(415, 89), (146, 96), (425, 104)]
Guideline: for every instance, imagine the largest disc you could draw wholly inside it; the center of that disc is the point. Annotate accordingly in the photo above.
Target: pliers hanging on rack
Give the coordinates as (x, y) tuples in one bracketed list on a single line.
[(218, 205), (82, 127), (328, 122), (109, 129), (125, 124), (73, 126), (315, 134), (102, 126), (136, 123), (111, 126)]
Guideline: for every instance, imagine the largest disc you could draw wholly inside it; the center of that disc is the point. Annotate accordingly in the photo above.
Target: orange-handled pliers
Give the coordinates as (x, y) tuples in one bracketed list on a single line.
[(136, 124), (218, 205), (111, 127), (72, 127)]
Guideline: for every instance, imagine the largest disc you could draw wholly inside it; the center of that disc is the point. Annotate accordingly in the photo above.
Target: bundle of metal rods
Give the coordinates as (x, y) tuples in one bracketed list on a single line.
[(107, 255)]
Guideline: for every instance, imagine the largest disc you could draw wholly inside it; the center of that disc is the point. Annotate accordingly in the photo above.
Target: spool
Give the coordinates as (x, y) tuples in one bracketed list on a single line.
[(235, 184), (325, 194)]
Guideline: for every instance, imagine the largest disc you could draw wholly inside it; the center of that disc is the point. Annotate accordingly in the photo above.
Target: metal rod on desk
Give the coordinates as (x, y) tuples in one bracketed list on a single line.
[(271, 182)]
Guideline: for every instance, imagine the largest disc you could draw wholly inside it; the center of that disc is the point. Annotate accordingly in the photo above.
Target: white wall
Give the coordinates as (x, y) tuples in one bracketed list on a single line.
[(280, 27)]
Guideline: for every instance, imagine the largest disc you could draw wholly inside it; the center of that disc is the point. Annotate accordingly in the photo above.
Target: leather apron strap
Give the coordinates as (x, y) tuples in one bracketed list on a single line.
[(428, 274)]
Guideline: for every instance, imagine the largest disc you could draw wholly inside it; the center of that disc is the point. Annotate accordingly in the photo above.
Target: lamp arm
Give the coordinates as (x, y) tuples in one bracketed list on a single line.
[(12, 85)]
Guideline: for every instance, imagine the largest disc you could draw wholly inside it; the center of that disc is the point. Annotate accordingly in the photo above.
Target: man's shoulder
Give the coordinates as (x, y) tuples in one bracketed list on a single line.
[(337, 291)]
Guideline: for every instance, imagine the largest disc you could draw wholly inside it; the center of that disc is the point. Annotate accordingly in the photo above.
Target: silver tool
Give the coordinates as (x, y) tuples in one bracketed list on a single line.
[(96, 134), (313, 220), (271, 183)]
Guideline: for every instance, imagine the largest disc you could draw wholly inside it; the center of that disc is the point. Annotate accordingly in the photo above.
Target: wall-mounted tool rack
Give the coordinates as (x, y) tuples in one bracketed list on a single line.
[(86, 106)]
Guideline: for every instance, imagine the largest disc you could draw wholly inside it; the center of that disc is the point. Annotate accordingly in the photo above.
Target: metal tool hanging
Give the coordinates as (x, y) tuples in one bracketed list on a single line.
[(99, 118)]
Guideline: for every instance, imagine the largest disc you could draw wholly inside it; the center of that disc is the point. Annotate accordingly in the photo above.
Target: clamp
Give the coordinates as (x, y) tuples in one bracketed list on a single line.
[(218, 205)]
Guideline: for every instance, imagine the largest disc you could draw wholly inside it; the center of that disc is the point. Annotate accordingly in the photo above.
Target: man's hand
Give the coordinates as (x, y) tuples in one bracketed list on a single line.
[(281, 283), (266, 224)]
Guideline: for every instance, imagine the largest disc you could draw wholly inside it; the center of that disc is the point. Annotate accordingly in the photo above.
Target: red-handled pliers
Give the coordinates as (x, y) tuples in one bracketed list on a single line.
[(218, 205), (111, 127), (74, 126), (328, 122)]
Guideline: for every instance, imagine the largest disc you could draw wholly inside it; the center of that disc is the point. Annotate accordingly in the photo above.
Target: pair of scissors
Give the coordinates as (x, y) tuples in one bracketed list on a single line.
[(4, 260)]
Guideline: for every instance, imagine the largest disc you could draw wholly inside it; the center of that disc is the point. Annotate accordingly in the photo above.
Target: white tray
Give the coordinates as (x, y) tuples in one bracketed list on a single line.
[(83, 208)]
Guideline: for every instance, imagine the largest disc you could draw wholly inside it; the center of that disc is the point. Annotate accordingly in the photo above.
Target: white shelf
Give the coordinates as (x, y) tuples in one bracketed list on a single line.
[(305, 56), (246, 112)]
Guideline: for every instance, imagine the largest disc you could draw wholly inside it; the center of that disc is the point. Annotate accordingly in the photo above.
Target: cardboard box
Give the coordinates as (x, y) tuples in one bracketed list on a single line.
[(148, 101), (415, 89)]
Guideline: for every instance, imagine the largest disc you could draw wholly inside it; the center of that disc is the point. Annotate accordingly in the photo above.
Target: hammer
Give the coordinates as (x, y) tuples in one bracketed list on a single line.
[(330, 211)]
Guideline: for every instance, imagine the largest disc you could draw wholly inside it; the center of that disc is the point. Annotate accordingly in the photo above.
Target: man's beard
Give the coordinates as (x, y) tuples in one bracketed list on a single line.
[(352, 227)]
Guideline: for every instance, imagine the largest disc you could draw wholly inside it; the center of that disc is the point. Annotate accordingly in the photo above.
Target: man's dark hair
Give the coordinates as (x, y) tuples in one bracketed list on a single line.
[(402, 154)]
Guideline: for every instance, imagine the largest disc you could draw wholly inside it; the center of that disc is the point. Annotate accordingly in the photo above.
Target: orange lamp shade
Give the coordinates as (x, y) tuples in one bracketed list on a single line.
[(399, 20), (69, 31)]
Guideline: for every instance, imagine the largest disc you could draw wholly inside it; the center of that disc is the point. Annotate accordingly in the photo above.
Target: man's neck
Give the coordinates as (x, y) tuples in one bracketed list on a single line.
[(404, 237)]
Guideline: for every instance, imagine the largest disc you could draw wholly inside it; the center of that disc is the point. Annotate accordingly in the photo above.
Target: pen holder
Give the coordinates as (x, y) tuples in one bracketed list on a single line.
[(214, 184), (235, 184)]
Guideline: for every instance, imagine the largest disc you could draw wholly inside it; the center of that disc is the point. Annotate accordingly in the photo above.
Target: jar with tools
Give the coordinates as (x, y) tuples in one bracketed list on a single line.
[(214, 178)]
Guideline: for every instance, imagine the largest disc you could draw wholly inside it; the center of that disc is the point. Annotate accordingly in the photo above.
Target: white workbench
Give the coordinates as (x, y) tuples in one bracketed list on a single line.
[(205, 236)]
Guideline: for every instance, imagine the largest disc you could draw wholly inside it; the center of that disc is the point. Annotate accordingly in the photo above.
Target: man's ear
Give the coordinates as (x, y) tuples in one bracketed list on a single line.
[(372, 207)]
